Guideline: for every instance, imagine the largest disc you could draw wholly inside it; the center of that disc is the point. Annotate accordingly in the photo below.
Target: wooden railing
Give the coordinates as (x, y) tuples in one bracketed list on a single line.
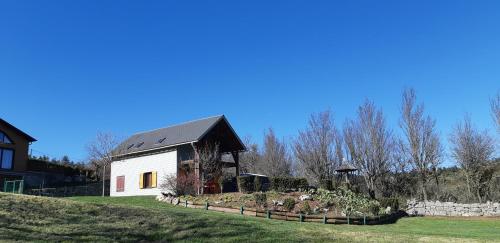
[(287, 216)]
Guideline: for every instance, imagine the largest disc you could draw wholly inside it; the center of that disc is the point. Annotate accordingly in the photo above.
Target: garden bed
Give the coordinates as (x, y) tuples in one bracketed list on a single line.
[(289, 216), (318, 205), (274, 202)]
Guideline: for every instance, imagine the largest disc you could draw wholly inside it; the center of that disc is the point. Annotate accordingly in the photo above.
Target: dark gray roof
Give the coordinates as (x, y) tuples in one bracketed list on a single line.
[(169, 136), (28, 137), (346, 168)]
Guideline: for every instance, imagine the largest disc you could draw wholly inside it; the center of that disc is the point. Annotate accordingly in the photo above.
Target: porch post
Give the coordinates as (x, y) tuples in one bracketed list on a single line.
[(236, 158), (197, 169)]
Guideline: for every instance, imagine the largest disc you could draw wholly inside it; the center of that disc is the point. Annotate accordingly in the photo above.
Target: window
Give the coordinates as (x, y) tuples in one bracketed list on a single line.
[(139, 145), (6, 158), (161, 140), (147, 180), (4, 138), (130, 146), (120, 183)]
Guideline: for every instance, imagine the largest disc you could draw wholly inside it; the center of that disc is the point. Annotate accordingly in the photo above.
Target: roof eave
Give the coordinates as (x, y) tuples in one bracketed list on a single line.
[(153, 149), (30, 138)]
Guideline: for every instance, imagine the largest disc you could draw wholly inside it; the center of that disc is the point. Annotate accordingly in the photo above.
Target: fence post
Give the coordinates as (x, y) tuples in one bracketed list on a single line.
[(186, 203), (364, 219), (241, 210), (324, 219), (206, 205), (348, 220), (301, 218), (268, 214)]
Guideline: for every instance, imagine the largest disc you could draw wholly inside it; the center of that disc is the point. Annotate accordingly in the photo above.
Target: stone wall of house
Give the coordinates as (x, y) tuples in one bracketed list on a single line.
[(436, 208)]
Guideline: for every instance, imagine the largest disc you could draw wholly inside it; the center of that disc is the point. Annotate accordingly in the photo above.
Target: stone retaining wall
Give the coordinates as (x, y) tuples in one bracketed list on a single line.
[(436, 208)]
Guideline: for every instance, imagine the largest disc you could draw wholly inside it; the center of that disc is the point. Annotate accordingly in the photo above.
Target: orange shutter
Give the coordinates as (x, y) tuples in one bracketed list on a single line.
[(153, 179), (141, 180)]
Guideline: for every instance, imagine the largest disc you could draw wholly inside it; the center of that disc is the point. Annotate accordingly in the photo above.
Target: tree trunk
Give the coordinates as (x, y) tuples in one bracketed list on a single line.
[(371, 189), (371, 192), (468, 186), (103, 179), (422, 187), (438, 189)]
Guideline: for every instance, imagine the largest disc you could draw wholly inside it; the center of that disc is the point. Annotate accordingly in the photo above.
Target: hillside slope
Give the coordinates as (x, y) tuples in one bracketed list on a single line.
[(132, 219)]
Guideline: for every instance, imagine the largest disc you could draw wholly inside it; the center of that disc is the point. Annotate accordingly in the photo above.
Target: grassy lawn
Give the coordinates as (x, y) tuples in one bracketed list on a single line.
[(29, 218)]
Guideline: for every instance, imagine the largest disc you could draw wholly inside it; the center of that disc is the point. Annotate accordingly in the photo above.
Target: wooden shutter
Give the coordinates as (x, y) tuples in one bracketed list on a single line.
[(141, 180), (120, 183), (153, 179)]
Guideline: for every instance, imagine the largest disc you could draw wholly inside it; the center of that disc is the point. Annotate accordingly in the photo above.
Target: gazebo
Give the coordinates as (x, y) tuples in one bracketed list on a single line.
[(345, 170)]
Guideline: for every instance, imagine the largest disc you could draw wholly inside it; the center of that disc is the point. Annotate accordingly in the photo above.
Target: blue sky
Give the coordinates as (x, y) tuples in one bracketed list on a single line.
[(69, 69)]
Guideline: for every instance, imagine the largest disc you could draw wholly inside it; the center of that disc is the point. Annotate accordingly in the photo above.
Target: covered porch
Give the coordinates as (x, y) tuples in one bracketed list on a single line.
[(228, 148)]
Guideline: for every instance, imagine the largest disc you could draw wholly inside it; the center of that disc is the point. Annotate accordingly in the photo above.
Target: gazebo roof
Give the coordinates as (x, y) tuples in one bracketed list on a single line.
[(346, 168)]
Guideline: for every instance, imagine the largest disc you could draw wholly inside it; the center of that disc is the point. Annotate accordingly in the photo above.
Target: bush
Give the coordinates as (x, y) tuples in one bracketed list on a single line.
[(325, 197), (246, 184), (257, 183), (374, 208), (289, 204), (181, 184), (326, 184), (389, 202), (306, 208), (348, 201), (260, 200), (301, 184), (283, 184)]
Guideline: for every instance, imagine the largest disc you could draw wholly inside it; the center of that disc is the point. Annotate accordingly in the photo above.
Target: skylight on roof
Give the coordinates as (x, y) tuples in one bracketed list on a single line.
[(130, 146), (161, 140), (139, 144)]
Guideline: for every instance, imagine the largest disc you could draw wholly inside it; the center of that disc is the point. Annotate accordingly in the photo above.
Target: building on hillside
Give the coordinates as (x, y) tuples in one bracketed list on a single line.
[(16, 164), (14, 146), (146, 158)]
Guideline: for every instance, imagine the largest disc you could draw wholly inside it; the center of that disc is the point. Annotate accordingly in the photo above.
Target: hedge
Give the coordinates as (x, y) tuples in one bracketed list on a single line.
[(389, 202), (257, 184), (327, 184), (246, 184), (283, 184)]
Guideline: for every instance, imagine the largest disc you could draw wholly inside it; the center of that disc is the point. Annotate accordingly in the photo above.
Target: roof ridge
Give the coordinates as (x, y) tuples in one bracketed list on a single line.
[(178, 124)]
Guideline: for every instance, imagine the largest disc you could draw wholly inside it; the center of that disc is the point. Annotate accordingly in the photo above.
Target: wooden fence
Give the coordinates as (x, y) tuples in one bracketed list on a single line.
[(287, 216)]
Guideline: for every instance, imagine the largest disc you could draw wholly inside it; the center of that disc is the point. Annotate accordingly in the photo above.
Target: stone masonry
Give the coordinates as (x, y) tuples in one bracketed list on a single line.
[(437, 208)]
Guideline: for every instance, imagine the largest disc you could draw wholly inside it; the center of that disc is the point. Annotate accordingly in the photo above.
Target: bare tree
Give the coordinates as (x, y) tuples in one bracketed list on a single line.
[(100, 153), (421, 144), (209, 156), (275, 158), (318, 149), (179, 184), (250, 160), (495, 110), (401, 182), (369, 144), (473, 151)]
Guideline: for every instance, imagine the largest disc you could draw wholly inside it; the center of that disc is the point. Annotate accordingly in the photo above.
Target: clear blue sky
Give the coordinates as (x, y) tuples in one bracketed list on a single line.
[(71, 68)]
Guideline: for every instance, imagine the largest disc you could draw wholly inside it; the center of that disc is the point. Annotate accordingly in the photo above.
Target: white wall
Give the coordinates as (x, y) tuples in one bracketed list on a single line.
[(163, 164)]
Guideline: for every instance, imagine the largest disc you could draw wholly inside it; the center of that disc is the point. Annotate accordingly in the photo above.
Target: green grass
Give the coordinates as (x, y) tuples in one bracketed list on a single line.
[(132, 219)]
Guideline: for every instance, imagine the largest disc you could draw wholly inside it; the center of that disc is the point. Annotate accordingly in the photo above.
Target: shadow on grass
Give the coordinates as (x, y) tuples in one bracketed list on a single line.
[(45, 219), (394, 218)]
